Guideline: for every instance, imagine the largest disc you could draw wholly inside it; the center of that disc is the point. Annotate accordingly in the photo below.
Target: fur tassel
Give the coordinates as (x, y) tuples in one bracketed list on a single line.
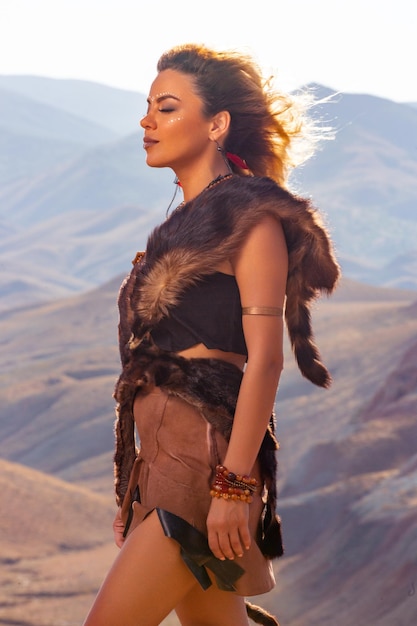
[(259, 615), (271, 545)]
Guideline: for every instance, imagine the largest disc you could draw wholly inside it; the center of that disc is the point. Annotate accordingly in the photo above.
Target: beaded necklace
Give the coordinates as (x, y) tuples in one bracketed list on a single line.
[(220, 178)]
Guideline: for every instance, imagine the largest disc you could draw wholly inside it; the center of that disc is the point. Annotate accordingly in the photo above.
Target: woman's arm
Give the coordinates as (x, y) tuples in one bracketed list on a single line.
[(261, 273)]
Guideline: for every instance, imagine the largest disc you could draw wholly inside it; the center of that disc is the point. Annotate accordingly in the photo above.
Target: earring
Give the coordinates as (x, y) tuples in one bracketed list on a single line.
[(223, 155), (229, 156)]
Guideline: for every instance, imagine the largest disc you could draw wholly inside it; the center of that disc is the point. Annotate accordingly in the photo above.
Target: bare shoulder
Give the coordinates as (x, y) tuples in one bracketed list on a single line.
[(265, 245), (261, 265)]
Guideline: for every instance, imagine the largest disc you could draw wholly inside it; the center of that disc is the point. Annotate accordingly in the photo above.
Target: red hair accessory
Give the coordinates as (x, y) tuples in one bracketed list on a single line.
[(237, 160)]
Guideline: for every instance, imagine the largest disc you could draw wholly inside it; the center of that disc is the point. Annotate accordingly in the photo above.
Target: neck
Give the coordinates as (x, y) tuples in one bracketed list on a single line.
[(193, 183)]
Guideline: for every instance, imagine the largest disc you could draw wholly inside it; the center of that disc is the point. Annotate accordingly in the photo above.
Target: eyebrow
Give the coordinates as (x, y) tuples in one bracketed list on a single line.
[(161, 97)]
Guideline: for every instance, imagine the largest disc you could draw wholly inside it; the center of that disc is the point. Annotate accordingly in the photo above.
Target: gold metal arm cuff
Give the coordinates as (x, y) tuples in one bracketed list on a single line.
[(262, 310)]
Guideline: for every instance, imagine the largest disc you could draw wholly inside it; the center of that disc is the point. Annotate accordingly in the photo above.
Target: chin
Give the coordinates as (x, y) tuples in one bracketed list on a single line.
[(156, 162)]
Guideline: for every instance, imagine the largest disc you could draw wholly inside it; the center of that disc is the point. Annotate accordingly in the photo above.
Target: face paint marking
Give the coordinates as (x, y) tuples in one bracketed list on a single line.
[(162, 96)]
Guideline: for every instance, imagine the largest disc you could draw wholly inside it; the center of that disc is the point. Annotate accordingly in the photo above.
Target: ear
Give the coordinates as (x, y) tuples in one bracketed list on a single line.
[(220, 125)]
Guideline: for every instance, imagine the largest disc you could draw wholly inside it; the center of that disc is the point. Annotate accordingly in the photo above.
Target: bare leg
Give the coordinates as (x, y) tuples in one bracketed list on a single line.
[(212, 607), (147, 580)]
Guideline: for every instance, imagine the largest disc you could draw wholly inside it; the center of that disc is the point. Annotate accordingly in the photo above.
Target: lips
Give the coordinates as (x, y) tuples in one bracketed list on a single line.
[(148, 142)]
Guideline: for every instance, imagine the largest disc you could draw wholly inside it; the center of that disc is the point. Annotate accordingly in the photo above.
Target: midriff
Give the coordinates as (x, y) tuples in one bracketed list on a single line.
[(199, 351)]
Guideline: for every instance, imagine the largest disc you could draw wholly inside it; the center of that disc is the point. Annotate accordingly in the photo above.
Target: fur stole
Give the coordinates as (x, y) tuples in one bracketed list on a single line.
[(210, 229), (189, 245)]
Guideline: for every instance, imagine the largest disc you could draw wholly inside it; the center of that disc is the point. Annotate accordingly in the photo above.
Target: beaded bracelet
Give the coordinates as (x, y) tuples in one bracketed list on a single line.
[(232, 486)]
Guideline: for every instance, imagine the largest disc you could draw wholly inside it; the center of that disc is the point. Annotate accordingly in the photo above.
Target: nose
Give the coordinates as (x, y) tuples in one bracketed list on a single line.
[(147, 121)]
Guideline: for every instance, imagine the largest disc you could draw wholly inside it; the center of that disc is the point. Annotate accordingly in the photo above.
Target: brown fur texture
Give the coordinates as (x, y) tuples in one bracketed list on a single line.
[(259, 615), (187, 379), (210, 229), (191, 244)]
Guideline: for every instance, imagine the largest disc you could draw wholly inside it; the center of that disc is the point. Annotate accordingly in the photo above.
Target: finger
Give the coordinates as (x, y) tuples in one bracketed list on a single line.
[(225, 546), (118, 538), (245, 537), (118, 523), (214, 546), (235, 542), (118, 529)]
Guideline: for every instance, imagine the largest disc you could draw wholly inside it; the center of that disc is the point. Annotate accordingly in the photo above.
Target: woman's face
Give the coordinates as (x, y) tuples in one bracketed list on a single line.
[(176, 131)]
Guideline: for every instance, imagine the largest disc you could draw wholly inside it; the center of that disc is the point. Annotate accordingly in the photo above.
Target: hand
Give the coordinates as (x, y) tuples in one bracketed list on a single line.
[(227, 527), (118, 528)]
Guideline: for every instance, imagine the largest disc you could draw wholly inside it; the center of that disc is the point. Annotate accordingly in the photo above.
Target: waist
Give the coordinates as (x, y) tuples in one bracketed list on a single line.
[(200, 351)]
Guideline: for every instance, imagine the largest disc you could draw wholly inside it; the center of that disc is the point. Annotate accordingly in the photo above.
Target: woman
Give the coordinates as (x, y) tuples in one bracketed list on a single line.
[(196, 522)]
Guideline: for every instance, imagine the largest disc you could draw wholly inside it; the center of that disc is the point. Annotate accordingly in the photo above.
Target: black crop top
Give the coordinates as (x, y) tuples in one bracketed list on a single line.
[(209, 312)]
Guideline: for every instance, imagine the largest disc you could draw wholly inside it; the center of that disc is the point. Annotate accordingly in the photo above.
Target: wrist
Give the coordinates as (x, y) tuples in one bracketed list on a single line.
[(231, 486)]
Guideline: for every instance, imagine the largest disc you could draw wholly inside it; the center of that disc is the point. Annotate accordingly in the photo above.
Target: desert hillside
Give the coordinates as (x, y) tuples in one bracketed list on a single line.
[(348, 468), (76, 202), (55, 543), (349, 472)]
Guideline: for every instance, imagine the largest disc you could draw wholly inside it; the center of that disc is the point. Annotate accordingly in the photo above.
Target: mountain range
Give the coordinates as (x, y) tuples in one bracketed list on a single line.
[(76, 203), (77, 200)]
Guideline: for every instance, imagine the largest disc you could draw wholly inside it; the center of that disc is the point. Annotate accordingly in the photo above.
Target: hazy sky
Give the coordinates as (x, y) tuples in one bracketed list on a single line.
[(360, 46)]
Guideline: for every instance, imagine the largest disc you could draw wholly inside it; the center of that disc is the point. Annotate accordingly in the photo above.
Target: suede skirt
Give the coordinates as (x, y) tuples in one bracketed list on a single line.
[(179, 450)]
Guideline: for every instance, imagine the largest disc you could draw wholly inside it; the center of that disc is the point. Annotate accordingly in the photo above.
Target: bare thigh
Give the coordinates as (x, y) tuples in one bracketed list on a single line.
[(146, 582), (212, 607)]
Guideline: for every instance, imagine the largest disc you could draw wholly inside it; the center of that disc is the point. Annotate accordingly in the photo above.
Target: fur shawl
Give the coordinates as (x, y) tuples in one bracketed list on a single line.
[(210, 229)]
